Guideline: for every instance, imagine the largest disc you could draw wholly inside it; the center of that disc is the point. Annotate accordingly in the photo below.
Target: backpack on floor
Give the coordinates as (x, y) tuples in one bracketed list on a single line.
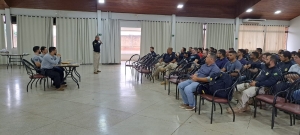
[(219, 81)]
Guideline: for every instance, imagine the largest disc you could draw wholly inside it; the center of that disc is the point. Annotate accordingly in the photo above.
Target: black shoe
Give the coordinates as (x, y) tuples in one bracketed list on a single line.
[(297, 117)]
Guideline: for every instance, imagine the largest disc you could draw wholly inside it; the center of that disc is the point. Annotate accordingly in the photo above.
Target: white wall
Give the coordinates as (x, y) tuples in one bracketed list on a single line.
[(293, 43)]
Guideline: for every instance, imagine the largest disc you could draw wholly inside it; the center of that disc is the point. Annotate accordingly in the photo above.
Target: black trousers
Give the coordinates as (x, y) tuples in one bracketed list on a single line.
[(55, 76), (60, 71)]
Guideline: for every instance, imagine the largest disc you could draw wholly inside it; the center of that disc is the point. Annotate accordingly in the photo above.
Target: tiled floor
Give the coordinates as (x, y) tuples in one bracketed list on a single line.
[(112, 103)]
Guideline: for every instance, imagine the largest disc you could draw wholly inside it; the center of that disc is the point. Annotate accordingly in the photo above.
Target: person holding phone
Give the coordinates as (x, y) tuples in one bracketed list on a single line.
[(96, 45)]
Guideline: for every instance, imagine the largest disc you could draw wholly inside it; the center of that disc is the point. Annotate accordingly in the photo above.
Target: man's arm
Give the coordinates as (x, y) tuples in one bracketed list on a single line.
[(52, 60), (270, 81), (36, 62)]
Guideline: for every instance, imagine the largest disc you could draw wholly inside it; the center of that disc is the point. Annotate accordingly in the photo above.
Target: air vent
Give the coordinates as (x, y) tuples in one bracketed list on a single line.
[(253, 20)]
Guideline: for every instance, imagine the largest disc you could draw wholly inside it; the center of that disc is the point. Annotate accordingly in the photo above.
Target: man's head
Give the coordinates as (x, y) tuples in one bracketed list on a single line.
[(221, 53), (44, 50), (254, 55), (211, 58), (185, 54), (52, 50), (264, 56), (211, 49), (170, 50), (231, 49), (36, 49), (271, 61), (280, 51), (194, 51), (200, 50), (293, 54), (151, 49), (297, 58), (247, 51), (232, 55), (205, 53), (241, 52), (190, 49), (285, 56), (299, 50), (259, 50), (183, 50), (97, 38)]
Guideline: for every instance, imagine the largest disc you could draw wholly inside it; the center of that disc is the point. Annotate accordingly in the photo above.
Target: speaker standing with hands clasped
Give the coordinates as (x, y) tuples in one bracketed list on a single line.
[(96, 45)]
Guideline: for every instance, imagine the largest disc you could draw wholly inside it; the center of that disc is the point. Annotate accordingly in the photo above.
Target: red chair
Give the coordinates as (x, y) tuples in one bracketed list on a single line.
[(288, 105), (214, 99), (33, 76)]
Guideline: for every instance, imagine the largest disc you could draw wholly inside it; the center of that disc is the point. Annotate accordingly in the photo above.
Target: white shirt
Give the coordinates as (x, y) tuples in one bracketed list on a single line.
[(295, 68)]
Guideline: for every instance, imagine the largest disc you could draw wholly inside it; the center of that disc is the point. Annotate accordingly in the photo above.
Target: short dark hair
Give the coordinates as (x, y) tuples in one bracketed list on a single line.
[(195, 48), (287, 54), (152, 47), (231, 49), (233, 52), (43, 48), (206, 50), (223, 52), (184, 49), (298, 54), (293, 52), (267, 54), (274, 58), (213, 56), (242, 51), (281, 51), (259, 50), (256, 54), (51, 49), (36, 48), (190, 47)]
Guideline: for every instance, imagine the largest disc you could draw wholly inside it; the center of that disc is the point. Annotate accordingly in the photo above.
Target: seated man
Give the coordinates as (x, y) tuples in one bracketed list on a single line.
[(240, 55), (181, 55), (36, 57), (204, 55), (195, 58), (222, 59), (187, 88), (254, 60), (291, 78), (152, 52), (49, 61), (285, 61), (44, 51), (268, 77), (168, 59), (247, 55), (233, 64)]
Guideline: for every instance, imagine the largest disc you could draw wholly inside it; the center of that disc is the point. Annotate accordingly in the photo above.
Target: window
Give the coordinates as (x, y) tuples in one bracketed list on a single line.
[(15, 34), (54, 36), (130, 42), (269, 38)]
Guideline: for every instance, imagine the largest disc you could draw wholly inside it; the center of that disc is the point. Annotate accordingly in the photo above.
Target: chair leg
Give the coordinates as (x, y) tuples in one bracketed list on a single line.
[(291, 123), (199, 105), (176, 92), (169, 85), (221, 108), (141, 78), (32, 83), (28, 84), (294, 119), (203, 101), (196, 102), (260, 105), (214, 106), (255, 107), (273, 117), (44, 84), (233, 113), (212, 112), (37, 82)]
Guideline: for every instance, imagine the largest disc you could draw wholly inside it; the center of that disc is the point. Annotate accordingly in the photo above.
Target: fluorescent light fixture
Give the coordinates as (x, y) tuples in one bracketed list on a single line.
[(249, 10), (101, 1), (278, 12), (180, 6)]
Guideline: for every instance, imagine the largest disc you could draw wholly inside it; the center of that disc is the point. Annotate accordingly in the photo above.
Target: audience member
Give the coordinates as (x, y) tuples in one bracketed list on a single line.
[(44, 51), (152, 52), (268, 77), (241, 53), (233, 64), (202, 60), (187, 88), (49, 61), (285, 62), (168, 59), (200, 52), (222, 59), (37, 59)]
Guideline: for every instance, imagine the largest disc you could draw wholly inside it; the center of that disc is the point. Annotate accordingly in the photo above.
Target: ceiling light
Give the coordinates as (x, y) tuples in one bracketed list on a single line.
[(278, 12), (180, 6), (249, 10), (101, 1)]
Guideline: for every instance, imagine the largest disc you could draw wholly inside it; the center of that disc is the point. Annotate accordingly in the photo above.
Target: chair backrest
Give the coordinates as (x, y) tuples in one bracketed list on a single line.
[(134, 57), (29, 67)]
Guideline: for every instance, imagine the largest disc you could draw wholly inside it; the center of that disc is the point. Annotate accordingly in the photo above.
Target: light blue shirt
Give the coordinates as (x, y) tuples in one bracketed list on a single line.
[(207, 71), (37, 58), (234, 66), (42, 55), (50, 61)]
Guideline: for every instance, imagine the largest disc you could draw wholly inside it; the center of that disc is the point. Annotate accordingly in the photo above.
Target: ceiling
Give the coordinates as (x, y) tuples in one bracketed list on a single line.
[(262, 9)]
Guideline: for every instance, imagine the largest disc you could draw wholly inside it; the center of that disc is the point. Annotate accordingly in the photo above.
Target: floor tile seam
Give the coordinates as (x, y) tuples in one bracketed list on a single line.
[(159, 118), (41, 126), (182, 124)]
